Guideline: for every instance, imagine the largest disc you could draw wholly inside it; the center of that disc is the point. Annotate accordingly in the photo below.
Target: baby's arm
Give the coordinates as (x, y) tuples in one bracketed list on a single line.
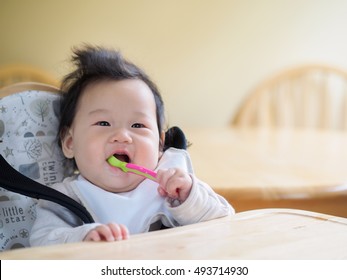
[(174, 183), (202, 204), (56, 227), (110, 232), (54, 224)]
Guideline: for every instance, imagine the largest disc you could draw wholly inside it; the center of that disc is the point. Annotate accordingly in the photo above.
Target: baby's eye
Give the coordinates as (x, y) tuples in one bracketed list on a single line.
[(138, 125), (102, 123)]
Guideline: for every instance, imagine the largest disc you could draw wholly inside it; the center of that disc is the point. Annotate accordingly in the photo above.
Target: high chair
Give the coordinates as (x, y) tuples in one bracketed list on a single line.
[(30, 160), (19, 73)]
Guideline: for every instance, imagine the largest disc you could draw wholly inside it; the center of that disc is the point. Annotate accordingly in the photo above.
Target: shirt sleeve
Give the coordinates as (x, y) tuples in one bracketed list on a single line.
[(55, 224), (202, 204)]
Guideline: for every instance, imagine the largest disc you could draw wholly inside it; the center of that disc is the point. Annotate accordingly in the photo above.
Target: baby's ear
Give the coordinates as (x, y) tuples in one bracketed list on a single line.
[(67, 144)]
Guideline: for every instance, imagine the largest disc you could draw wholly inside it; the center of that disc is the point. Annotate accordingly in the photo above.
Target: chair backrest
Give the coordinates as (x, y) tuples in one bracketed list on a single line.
[(28, 125), (18, 73), (312, 96)]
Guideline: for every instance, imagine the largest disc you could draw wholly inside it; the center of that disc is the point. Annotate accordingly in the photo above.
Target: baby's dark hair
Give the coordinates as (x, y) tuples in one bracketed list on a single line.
[(94, 63)]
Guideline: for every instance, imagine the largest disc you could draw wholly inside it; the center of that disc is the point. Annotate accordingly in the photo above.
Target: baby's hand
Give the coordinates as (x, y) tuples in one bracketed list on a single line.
[(109, 232), (174, 183)]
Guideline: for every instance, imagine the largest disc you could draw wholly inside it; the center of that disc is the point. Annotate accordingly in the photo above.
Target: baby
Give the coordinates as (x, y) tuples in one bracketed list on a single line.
[(111, 107)]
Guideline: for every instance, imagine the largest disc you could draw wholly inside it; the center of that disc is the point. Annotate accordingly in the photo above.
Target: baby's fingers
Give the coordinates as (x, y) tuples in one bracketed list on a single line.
[(110, 232), (93, 235), (119, 232), (99, 233), (164, 175), (174, 183)]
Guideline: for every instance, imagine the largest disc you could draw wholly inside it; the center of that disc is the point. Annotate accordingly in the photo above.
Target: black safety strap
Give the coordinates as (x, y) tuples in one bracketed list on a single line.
[(12, 180)]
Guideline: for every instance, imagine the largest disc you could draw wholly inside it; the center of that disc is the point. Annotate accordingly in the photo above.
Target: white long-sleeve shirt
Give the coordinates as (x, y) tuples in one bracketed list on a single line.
[(141, 209)]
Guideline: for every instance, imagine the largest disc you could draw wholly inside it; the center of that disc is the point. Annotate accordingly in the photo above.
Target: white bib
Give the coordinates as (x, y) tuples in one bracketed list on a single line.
[(137, 209)]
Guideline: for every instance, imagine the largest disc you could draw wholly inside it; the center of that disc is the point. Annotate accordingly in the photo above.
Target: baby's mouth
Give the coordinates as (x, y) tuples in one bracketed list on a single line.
[(122, 157)]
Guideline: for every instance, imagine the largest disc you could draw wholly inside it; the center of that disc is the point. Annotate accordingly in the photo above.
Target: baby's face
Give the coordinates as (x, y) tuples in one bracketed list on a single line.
[(114, 118)]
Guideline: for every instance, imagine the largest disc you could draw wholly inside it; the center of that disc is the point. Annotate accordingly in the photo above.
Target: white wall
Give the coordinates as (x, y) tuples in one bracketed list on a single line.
[(205, 55)]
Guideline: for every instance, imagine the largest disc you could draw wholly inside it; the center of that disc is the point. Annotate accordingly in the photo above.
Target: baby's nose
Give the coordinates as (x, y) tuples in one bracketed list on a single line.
[(121, 135)]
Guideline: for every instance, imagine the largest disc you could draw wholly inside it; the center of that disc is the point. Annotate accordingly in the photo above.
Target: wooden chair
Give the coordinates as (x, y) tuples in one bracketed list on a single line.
[(17, 73), (312, 96)]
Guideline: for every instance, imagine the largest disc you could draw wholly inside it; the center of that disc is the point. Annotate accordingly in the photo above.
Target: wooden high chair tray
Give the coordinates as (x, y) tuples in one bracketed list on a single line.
[(258, 234)]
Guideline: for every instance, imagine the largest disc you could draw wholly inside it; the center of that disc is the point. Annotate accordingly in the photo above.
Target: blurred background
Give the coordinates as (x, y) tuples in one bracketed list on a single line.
[(204, 55)]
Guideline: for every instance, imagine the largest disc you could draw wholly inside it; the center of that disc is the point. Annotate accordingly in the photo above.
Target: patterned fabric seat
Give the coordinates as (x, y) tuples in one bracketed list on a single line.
[(28, 126)]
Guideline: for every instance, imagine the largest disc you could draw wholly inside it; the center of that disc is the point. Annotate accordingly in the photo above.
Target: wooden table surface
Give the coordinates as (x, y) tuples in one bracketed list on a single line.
[(258, 234), (262, 168)]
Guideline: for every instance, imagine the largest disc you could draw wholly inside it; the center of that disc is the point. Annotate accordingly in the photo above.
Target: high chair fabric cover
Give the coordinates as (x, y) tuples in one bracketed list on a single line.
[(28, 127)]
